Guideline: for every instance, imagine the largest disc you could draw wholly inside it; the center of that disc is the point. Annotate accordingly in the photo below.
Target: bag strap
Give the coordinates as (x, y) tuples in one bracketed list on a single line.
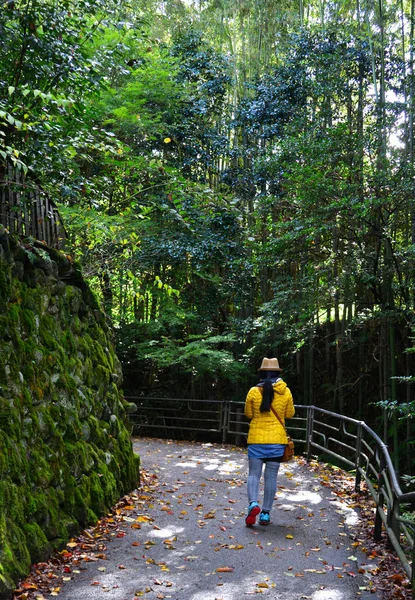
[(277, 415)]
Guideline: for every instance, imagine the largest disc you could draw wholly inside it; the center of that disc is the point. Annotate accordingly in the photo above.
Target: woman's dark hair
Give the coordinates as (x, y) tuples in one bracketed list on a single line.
[(268, 390)]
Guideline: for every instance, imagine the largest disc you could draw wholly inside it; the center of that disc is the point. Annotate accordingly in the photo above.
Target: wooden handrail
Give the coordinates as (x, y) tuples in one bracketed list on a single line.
[(26, 210)]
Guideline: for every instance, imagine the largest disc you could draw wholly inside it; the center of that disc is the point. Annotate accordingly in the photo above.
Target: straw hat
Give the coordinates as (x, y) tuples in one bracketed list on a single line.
[(270, 364)]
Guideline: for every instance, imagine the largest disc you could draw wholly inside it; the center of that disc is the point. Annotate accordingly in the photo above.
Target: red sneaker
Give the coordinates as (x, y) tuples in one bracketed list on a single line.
[(253, 512)]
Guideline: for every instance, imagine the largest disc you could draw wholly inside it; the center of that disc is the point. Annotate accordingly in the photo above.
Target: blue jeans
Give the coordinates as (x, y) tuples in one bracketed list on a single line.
[(270, 481)]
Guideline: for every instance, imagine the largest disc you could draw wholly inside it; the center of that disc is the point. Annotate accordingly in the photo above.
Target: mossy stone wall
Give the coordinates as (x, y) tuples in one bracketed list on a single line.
[(65, 449)]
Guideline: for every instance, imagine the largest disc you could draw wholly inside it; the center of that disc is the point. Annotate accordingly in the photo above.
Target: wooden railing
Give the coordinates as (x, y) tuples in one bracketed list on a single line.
[(26, 210)]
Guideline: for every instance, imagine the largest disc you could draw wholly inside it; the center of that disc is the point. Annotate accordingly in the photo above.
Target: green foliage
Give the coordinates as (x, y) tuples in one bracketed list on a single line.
[(236, 177), (48, 70)]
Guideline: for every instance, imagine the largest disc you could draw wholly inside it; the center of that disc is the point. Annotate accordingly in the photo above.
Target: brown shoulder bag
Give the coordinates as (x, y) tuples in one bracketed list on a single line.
[(289, 448)]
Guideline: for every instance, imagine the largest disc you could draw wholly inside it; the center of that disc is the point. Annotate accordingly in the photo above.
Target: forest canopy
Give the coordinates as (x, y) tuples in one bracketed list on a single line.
[(237, 180)]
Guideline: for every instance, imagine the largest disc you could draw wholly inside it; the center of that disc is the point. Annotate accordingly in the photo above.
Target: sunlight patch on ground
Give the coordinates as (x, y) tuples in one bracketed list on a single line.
[(350, 515), (300, 496), (211, 464), (230, 467), (166, 532), (327, 595)]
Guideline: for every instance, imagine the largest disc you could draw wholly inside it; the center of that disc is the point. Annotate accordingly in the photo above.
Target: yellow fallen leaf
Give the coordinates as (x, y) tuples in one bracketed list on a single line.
[(310, 570), (289, 536), (262, 585)]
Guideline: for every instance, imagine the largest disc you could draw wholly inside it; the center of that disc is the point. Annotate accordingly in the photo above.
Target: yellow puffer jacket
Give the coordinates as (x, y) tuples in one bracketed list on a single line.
[(265, 428)]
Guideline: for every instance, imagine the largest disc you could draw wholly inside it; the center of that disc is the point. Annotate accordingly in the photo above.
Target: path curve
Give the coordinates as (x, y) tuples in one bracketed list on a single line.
[(185, 537)]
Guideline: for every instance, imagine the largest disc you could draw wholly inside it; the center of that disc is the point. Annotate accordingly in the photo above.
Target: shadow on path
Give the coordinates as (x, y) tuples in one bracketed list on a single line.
[(184, 536)]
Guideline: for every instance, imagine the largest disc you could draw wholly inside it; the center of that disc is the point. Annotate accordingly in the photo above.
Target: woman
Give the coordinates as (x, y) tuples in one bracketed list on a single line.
[(267, 437)]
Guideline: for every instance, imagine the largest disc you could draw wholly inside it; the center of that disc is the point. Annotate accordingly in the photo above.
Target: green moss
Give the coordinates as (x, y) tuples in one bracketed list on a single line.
[(73, 430), (11, 502), (86, 345), (8, 329), (13, 313), (7, 585), (109, 485), (14, 555), (37, 544), (98, 504), (41, 473), (27, 319), (78, 458), (16, 461), (10, 419), (69, 343), (91, 517), (4, 283), (63, 463), (48, 339), (28, 371)]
